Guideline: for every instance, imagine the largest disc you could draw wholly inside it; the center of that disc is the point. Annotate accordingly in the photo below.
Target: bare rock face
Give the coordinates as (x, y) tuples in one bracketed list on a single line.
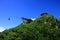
[(27, 20)]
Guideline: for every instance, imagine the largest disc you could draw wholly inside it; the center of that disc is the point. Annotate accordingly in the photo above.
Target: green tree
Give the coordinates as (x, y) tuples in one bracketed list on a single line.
[(45, 27)]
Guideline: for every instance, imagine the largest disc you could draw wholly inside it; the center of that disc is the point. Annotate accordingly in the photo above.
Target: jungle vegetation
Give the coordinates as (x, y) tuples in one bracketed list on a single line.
[(45, 27)]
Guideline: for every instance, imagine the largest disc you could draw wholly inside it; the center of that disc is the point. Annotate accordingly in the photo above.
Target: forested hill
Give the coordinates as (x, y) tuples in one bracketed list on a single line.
[(45, 27)]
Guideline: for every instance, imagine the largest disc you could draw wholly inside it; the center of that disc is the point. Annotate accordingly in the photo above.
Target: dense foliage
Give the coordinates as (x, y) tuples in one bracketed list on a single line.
[(45, 27)]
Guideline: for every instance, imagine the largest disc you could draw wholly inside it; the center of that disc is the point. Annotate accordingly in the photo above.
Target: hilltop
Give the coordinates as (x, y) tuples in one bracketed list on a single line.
[(45, 27)]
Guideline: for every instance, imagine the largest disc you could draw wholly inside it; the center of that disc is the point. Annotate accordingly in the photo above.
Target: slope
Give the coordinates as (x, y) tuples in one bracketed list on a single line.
[(45, 27)]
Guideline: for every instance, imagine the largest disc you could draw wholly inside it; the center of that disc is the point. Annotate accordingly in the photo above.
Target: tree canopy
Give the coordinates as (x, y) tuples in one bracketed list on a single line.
[(45, 27)]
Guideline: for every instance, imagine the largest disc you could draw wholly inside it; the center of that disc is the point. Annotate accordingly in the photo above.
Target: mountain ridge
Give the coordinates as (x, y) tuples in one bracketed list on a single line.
[(45, 27)]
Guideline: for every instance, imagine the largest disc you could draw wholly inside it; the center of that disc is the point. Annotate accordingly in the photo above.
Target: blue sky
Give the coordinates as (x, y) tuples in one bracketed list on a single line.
[(15, 9)]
